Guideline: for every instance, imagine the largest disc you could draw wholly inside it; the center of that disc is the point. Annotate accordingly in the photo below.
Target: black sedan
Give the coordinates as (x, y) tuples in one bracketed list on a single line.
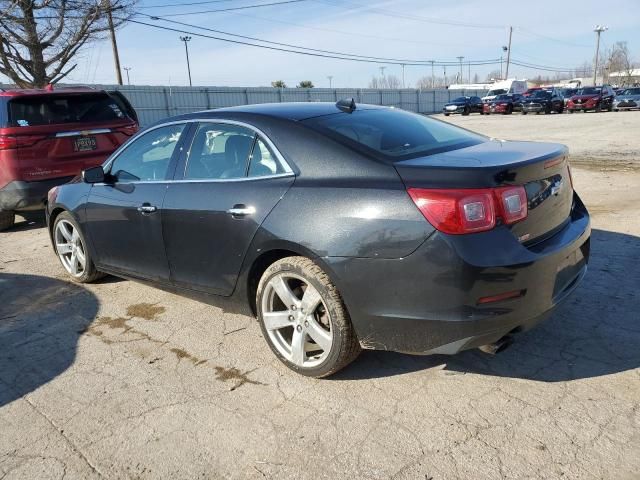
[(339, 226), (543, 101), (463, 105)]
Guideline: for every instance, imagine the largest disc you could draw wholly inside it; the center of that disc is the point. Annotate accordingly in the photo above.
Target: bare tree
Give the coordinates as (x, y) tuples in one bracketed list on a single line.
[(584, 70), (493, 75), (618, 60), (40, 38), (424, 83), (388, 81)]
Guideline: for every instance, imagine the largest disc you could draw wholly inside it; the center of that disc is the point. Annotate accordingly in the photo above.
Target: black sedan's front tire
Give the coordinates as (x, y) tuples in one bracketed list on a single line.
[(303, 318), (70, 246)]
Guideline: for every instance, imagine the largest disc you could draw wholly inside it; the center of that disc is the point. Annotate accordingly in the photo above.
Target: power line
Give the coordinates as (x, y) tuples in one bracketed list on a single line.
[(231, 9), (338, 56), (352, 34), (166, 5), (439, 21), (331, 52), (526, 31)]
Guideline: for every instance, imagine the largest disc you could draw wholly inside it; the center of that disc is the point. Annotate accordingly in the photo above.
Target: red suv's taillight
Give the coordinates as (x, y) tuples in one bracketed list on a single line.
[(459, 211), (8, 142)]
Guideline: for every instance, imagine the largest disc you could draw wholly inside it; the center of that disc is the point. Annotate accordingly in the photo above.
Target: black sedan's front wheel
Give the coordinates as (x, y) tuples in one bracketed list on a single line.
[(304, 319), (70, 246)]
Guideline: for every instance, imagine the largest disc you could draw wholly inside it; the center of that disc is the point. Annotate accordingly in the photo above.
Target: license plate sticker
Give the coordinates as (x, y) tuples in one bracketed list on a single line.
[(84, 144)]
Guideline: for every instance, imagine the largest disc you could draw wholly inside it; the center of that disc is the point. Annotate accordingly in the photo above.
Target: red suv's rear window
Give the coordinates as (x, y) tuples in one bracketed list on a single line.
[(60, 109)]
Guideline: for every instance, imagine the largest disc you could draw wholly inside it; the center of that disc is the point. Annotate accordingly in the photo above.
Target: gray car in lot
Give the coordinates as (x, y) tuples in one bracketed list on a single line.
[(339, 226), (627, 100)]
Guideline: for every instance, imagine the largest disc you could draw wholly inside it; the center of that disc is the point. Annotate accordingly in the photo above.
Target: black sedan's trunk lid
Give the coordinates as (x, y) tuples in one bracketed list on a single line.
[(541, 168)]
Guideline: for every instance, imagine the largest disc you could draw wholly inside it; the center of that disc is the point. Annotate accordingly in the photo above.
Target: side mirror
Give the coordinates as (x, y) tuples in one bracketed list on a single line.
[(93, 175)]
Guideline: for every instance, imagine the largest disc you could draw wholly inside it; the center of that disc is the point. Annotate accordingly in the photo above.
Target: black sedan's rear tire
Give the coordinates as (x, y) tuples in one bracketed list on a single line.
[(7, 220), (466, 111), (303, 318), (71, 247), (446, 114), (524, 113)]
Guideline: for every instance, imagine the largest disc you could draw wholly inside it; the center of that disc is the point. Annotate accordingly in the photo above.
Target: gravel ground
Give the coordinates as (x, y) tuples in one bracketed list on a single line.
[(605, 139), (120, 380)]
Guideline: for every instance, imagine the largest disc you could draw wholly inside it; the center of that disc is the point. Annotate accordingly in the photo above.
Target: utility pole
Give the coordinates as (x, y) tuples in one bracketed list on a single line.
[(444, 71), (469, 72), (127, 70), (599, 29), (382, 71), (114, 44), (330, 77), (402, 64), (504, 50), (460, 59), (506, 73), (433, 76), (186, 50)]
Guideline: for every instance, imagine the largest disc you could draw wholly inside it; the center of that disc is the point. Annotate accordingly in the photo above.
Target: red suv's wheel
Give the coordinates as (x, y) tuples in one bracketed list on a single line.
[(7, 220)]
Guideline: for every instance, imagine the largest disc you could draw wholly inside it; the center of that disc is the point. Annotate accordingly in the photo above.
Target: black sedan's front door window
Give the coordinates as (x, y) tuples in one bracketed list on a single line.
[(124, 215)]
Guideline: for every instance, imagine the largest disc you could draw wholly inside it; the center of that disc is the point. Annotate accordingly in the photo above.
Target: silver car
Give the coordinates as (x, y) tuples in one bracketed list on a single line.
[(627, 100)]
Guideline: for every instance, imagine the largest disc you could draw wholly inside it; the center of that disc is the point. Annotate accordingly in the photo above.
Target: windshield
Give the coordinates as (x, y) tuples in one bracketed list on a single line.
[(461, 99), (393, 134), (631, 91), (60, 109), (503, 97), (541, 94), (497, 91), (589, 91)]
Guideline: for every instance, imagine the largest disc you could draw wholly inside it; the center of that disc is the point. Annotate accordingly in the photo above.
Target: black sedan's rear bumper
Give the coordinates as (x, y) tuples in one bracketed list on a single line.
[(428, 302)]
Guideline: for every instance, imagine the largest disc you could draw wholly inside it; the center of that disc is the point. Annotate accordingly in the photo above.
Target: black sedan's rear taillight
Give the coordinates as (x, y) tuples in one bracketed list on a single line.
[(460, 211)]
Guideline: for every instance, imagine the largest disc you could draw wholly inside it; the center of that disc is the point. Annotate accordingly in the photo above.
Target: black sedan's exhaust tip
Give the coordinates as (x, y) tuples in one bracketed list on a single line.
[(497, 347)]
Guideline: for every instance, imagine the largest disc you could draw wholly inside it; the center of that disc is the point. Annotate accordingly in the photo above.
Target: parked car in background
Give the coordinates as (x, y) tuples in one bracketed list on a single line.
[(567, 93), (592, 98), (47, 137), (510, 85), (463, 105), (530, 91), (441, 240), (505, 104), (543, 101), (628, 99)]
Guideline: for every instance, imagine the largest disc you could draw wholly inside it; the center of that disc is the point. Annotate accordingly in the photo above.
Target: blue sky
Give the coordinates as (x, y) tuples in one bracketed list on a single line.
[(555, 33)]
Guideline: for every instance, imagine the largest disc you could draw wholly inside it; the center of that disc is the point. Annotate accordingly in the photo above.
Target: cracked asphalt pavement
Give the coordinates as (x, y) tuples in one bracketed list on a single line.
[(120, 380)]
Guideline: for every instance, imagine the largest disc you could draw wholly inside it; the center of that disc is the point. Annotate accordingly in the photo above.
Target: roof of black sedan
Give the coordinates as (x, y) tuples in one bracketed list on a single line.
[(292, 110)]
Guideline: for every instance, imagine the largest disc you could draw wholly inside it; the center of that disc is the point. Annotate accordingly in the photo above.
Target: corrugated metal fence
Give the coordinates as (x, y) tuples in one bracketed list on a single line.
[(157, 102)]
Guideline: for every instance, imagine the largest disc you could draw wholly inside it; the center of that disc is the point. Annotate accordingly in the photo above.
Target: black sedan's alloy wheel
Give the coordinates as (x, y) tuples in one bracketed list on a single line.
[(303, 318), (72, 252)]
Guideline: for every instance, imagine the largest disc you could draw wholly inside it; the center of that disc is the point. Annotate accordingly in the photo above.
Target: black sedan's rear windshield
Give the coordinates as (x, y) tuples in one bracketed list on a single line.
[(60, 109), (394, 134)]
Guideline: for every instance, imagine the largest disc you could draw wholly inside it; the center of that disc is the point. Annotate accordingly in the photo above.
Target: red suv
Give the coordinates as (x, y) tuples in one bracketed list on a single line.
[(592, 98), (48, 136)]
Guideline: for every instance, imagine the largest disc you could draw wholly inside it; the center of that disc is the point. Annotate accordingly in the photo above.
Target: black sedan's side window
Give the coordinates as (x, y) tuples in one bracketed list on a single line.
[(219, 151), (147, 158), (263, 161)]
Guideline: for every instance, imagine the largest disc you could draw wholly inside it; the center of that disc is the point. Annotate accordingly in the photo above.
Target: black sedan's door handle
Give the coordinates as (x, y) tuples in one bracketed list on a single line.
[(240, 210), (146, 208)]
